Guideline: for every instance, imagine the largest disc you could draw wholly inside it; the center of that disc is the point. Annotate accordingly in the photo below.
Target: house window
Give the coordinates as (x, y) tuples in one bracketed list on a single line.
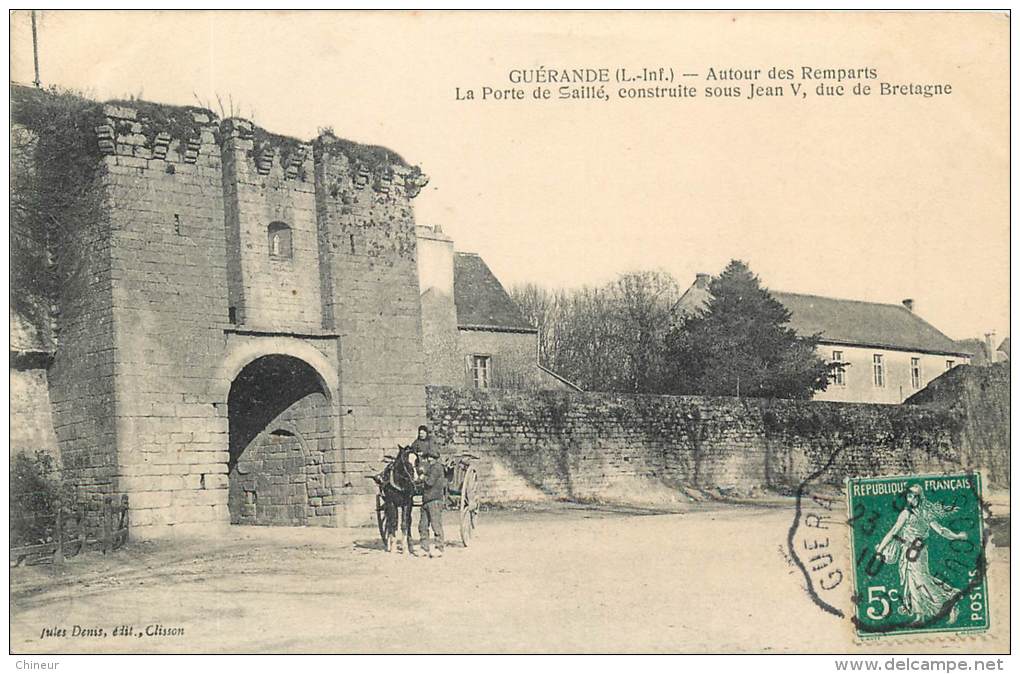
[(839, 376), (280, 246), (915, 372), (879, 368), (950, 364), (481, 371)]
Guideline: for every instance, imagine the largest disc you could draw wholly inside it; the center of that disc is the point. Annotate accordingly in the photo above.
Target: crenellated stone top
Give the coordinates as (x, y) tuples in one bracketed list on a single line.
[(372, 166), (150, 130), (154, 131)]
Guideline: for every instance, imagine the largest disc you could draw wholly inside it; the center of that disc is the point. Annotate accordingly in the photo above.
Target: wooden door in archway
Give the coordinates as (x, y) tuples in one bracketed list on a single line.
[(268, 485)]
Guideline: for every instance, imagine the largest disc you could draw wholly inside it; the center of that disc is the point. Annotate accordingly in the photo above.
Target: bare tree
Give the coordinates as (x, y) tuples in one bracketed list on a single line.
[(539, 306), (606, 338), (641, 312)]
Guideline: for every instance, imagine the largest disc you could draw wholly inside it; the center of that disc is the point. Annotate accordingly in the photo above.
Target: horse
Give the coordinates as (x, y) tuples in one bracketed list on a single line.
[(398, 482)]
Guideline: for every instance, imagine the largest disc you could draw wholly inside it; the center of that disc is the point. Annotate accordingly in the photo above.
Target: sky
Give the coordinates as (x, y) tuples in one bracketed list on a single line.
[(875, 198)]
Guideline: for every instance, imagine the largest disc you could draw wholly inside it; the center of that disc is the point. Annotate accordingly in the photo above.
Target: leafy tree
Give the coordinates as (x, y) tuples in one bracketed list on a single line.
[(740, 343)]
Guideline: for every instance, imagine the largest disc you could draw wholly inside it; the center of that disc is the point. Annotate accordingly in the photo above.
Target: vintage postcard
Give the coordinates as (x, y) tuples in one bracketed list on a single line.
[(444, 332), (918, 544)]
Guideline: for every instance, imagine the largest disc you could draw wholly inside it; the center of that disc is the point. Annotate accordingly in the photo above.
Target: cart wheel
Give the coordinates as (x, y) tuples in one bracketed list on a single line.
[(468, 506), (380, 517)]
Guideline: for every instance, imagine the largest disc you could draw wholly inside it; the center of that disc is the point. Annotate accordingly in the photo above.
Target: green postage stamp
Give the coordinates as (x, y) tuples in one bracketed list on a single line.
[(919, 554)]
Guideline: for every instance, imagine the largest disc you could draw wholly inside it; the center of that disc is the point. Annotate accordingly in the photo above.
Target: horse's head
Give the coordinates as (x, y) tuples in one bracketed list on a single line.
[(405, 468)]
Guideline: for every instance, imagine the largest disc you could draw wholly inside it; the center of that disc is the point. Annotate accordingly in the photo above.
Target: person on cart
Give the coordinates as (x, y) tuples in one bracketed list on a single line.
[(423, 442), (434, 488), (416, 449)]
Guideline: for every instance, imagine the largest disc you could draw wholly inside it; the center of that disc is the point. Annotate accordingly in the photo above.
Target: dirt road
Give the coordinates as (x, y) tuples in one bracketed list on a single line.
[(564, 580)]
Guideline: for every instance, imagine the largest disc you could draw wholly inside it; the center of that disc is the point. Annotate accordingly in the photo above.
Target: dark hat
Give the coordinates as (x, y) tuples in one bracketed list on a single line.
[(423, 427)]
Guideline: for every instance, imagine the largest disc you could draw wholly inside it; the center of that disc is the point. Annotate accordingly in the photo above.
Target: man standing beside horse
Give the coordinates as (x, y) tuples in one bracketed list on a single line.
[(399, 482), (434, 489)]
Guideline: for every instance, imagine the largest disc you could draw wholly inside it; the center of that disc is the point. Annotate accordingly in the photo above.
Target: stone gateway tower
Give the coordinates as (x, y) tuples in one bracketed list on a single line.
[(243, 343)]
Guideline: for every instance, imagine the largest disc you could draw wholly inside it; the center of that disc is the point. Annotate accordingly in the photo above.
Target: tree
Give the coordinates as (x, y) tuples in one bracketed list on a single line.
[(605, 338), (540, 307), (740, 344), (641, 315), (587, 352)]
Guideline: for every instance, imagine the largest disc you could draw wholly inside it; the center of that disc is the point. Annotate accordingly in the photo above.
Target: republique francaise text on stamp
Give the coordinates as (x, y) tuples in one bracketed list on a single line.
[(918, 545)]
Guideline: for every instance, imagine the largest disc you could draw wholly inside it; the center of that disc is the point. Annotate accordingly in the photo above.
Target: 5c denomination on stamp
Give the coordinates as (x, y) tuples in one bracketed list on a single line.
[(918, 546)]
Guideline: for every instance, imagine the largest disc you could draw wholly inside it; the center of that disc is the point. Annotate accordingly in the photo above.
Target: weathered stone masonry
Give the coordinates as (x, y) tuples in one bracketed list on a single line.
[(215, 374), (238, 338), (581, 445)]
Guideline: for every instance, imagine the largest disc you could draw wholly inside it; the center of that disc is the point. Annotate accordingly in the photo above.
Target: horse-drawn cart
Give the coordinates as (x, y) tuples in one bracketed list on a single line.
[(461, 495)]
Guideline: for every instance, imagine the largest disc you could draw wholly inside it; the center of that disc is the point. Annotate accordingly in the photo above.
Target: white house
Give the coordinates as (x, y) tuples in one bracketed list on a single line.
[(888, 351)]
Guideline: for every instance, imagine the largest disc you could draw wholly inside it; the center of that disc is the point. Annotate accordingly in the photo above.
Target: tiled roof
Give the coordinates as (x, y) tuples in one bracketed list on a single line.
[(692, 301), (852, 322), (482, 302), (849, 322)]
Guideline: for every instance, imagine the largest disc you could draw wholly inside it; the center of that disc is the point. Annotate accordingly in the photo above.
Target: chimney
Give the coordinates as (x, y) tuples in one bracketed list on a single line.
[(990, 346), (702, 281), (909, 304)]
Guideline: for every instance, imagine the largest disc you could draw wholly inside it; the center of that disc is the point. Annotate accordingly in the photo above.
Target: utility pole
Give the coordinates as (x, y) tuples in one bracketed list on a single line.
[(35, 52)]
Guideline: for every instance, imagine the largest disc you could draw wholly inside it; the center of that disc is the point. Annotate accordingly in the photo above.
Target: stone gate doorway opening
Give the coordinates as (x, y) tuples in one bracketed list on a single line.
[(280, 432)]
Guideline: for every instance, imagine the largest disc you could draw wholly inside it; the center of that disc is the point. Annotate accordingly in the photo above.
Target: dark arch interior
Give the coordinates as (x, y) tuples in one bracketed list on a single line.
[(262, 391), (280, 430)]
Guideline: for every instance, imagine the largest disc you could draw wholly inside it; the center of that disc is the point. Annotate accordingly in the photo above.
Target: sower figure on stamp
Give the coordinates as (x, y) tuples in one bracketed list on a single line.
[(434, 479), (906, 544)]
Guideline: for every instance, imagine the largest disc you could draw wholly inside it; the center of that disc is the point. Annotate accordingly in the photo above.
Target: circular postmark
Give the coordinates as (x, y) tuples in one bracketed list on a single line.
[(916, 560)]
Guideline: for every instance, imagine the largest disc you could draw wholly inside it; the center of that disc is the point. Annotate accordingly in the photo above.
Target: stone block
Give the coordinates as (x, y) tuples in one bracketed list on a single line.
[(216, 480), (132, 484), (120, 111), (200, 497), (151, 499), (148, 517), (188, 513)]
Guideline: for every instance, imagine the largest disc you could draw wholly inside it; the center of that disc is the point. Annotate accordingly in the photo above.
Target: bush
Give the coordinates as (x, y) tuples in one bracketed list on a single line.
[(36, 492)]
